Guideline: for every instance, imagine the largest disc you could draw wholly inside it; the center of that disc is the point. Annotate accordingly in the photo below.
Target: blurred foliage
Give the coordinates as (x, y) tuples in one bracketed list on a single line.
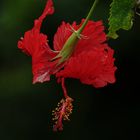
[(107, 113)]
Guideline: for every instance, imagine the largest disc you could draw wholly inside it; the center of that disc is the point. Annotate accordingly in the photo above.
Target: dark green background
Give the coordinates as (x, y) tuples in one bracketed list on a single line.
[(110, 113)]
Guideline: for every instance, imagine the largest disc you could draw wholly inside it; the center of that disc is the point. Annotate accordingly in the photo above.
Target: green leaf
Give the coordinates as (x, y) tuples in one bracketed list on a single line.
[(121, 16)]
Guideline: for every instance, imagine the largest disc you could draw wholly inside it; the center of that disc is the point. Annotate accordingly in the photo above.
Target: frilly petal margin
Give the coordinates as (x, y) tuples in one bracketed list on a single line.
[(35, 44), (94, 68), (92, 35)]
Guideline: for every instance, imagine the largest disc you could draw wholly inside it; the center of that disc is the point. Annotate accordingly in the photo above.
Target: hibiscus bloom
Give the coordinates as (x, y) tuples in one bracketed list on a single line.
[(80, 51), (92, 60)]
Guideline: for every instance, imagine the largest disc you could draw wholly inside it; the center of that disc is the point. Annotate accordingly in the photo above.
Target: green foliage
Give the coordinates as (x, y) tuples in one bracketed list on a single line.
[(121, 16)]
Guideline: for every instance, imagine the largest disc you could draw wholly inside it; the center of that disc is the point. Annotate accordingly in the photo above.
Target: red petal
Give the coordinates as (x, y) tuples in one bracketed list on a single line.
[(62, 34), (49, 10), (30, 41), (93, 33), (42, 67), (35, 44), (91, 67)]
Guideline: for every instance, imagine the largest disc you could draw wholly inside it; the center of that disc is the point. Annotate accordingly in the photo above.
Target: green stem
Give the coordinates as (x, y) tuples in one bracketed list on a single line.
[(88, 17)]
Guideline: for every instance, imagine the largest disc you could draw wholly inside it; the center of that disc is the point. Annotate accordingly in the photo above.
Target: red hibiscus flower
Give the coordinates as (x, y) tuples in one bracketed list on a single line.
[(92, 60), (80, 51)]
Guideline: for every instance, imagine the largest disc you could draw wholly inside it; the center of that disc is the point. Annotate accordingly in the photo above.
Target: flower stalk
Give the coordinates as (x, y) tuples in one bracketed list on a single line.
[(88, 17)]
